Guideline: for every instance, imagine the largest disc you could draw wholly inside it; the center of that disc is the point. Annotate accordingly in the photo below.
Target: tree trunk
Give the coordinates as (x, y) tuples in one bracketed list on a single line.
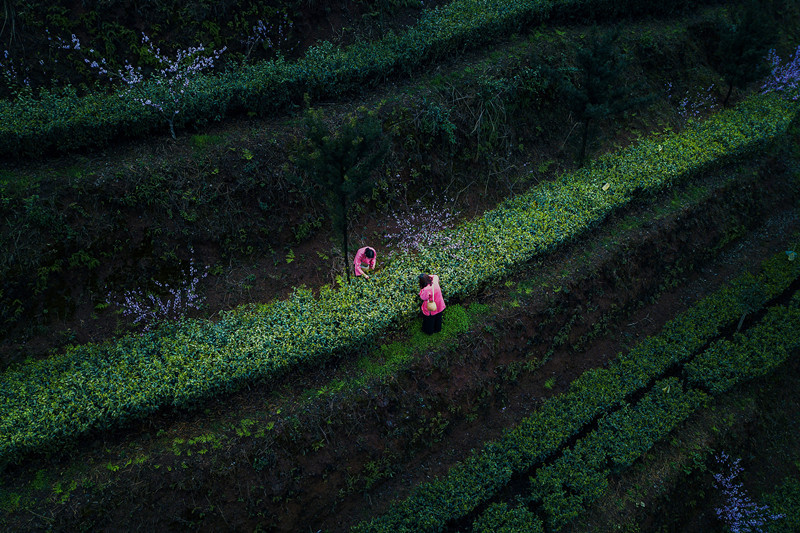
[(582, 156), (172, 129), (344, 237), (730, 90)]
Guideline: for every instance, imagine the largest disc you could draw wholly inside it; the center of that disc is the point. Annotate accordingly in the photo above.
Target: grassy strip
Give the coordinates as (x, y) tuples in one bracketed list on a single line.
[(432, 505), (66, 121), (48, 402)]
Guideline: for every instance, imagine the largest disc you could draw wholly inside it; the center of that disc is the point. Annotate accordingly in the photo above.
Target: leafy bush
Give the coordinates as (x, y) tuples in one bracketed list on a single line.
[(785, 500), (596, 392), (500, 518), (580, 475), (755, 353), (60, 120), (48, 402)]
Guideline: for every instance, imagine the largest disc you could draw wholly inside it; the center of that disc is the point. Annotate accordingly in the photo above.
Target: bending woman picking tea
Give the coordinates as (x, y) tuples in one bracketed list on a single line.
[(365, 258), (432, 303)]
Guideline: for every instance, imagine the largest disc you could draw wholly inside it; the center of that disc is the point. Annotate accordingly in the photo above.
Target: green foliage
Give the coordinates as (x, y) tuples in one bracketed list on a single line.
[(500, 518), (599, 91), (36, 240), (786, 501), (435, 120), (9, 501), (95, 386), (61, 120), (580, 475), (591, 12), (742, 46), (455, 321), (201, 142), (756, 353), (111, 31)]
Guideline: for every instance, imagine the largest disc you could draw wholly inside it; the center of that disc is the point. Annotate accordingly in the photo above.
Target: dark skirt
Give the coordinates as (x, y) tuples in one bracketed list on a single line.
[(432, 323)]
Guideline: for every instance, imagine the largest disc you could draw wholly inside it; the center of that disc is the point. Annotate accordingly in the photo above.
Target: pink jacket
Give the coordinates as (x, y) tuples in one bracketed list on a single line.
[(432, 291), (361, 258)]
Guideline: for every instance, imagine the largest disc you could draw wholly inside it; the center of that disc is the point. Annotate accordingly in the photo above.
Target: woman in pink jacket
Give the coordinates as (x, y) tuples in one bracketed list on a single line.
[(365, 258), (429, 291)]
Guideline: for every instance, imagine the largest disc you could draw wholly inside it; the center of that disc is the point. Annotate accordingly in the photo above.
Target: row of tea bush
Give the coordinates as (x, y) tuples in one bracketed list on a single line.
[(581, 475), (45, 403), (65, 121), (598, 392)]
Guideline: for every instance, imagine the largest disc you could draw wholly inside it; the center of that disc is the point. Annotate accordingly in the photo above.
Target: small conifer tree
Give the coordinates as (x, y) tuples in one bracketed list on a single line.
[(598, 91), (742, 47), (339, 163)]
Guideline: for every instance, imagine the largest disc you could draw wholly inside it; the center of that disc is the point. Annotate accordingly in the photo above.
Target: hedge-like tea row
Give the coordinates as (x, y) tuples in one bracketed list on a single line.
[(580, 475), (500, 518), (47, 402), (432, 505), (756, 353), (67, 122)]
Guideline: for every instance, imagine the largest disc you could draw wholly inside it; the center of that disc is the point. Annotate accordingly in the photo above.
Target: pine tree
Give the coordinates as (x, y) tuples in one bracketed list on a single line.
[(740, 54), (339, 163), (597, 91)]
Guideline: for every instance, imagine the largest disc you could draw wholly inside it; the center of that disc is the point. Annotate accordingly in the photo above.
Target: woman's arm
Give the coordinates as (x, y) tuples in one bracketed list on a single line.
[(426, 293)]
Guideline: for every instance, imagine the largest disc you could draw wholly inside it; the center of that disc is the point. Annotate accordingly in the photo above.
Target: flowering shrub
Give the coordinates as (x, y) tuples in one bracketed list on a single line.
[(692, 106), (147, 308), (740, 513), (174, 76), (419, 227), (261, 35), (784, 79), (44, 403)]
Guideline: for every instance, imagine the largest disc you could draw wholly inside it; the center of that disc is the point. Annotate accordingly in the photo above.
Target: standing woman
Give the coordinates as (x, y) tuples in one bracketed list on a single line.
[(365, 258), (432, 303)]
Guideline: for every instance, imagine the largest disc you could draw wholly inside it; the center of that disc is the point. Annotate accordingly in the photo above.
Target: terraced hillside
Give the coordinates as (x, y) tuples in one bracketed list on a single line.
[(599, 317)]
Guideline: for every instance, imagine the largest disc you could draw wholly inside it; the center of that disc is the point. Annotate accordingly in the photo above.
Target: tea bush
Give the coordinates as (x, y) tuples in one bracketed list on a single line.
[(500, 518), (580, 475), (786, 501), (60, 120), (749, 355), (596, 392), (48, 402)]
